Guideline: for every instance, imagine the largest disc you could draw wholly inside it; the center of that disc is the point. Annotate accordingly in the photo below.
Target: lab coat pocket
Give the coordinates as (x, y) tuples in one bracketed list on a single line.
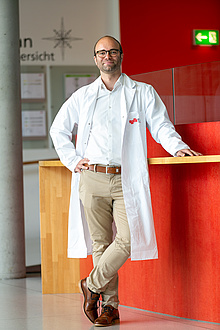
[(133, 130), (133, 118)]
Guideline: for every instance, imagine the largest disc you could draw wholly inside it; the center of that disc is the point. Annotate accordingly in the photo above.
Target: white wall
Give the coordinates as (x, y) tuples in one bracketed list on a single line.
[(87, 19)]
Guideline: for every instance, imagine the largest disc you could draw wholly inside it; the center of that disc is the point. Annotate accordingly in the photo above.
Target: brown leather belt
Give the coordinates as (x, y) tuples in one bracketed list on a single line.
[(104, 169)]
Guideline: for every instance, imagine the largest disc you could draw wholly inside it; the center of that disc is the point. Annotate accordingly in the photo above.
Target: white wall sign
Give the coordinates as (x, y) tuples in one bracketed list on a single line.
[(32, 86), (34, 123), (75, 81)]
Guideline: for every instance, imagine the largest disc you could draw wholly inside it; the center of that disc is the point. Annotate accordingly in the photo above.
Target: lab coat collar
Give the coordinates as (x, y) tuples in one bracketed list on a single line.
[(129, 89), (128, 82)]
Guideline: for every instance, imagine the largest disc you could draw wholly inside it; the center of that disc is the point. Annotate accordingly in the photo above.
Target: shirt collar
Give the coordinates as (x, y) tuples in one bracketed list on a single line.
[(118, 83)]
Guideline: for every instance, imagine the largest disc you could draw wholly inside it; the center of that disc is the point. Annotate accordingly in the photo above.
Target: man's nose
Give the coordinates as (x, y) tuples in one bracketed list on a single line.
[(107, 55)]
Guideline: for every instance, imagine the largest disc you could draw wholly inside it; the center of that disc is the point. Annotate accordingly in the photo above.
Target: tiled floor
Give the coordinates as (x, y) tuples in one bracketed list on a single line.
[(23, 307)]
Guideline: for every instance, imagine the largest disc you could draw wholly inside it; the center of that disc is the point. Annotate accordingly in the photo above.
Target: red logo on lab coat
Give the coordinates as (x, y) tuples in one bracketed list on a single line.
[(133, 121)]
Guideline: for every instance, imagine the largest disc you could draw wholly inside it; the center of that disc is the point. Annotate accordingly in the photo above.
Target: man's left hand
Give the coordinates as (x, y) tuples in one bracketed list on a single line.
[(187, 152)]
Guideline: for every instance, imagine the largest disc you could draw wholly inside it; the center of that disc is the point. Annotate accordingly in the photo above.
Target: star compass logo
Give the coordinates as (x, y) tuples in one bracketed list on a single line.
[(62, 38)]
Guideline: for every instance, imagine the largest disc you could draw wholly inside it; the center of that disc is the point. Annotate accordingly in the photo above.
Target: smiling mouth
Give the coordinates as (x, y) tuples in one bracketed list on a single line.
[(109, 62)]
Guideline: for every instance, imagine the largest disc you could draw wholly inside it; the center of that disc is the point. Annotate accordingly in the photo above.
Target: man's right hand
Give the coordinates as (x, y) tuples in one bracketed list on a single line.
[(80, 166)]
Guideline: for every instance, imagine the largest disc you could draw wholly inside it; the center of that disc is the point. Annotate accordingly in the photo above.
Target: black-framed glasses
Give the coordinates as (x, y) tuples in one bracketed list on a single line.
[(112, 52)]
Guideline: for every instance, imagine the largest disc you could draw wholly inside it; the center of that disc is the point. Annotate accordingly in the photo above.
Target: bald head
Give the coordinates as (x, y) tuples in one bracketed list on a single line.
[(108, 37)]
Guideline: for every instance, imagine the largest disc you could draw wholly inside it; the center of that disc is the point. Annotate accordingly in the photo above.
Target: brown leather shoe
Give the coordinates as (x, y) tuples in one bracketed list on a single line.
[(90, 301), (109, 316)]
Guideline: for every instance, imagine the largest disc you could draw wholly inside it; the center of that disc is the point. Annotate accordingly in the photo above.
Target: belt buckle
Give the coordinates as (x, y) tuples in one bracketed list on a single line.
[(106, 169), (94, 170)]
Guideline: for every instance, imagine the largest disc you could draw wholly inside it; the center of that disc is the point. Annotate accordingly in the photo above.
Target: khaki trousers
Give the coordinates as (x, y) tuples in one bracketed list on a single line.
[(102, 198)]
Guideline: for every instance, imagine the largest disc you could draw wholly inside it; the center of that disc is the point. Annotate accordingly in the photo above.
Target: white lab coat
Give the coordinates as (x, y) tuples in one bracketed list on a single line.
[(140, 106)]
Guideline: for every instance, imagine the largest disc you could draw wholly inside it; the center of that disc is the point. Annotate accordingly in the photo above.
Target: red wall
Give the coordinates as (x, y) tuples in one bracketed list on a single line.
[(157, 34)]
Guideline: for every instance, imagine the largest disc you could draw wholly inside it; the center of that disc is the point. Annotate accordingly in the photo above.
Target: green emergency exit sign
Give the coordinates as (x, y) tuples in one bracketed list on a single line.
[(206, 37)]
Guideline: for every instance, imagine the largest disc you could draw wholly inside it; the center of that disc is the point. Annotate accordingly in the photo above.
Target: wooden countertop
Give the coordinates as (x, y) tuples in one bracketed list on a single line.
[(156, 161)]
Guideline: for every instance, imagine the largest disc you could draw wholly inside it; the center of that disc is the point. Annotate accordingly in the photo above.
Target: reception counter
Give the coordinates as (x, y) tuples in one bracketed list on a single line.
[(184, 281), (156, 160)]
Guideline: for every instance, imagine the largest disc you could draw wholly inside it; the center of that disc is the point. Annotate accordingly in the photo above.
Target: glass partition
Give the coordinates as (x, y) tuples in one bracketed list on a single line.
[(163, 83), (191, 93), (197, 93)]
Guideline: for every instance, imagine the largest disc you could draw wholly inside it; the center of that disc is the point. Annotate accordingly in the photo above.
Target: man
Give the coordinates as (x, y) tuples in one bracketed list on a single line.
[(110, 174)]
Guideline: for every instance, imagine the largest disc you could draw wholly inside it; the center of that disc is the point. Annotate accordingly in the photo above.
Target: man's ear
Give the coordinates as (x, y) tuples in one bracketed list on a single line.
[(122, 55), (95, 60)]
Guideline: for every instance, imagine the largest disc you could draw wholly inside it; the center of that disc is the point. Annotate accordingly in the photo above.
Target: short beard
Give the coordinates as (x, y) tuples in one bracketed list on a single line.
[(109, 69)]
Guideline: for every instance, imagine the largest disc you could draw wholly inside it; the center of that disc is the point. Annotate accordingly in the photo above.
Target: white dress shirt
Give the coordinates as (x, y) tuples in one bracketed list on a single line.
[(104, 145)]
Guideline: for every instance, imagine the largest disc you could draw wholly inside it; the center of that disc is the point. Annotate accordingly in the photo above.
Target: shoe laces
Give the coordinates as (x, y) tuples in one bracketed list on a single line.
[(107, 309)]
